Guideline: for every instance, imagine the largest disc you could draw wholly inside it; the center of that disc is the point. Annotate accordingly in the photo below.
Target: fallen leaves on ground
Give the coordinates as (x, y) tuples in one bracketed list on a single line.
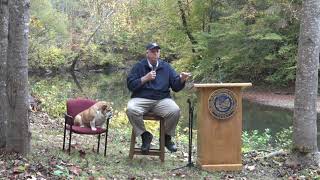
[(14, 166)]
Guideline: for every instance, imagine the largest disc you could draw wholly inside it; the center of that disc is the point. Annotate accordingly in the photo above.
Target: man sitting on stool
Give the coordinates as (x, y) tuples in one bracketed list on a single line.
[(150, 81)]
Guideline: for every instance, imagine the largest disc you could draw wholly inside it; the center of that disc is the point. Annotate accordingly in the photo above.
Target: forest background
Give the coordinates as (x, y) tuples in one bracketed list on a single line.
[(246, 41), (231, 41)]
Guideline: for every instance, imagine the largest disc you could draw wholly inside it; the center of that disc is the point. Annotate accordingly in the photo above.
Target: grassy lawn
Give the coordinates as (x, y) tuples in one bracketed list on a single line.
[(47, 160)]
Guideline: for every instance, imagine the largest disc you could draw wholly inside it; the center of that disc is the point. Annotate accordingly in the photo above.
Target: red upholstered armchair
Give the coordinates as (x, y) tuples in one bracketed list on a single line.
[(74, 107)]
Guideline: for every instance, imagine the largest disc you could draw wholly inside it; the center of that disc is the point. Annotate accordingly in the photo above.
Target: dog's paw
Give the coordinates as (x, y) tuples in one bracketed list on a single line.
[(93, 129)]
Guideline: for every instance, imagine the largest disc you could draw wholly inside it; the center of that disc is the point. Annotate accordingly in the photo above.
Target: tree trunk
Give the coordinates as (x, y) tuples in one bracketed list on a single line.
[(18, 130), (305, 150), (185, 25), (3, 61)]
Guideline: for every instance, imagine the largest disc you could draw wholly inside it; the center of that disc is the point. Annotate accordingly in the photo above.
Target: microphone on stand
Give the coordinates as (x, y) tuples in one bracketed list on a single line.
[(191, 108)]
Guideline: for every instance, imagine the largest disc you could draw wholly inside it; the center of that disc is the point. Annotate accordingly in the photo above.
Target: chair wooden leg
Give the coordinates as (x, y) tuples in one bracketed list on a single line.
[(106, 140), (70, 139), (98, 143), (162, 140), (132, 145)]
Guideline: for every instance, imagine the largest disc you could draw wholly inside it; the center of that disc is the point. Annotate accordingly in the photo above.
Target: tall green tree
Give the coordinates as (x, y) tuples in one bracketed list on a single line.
[(305, 150), (256, 40), (49, 39)]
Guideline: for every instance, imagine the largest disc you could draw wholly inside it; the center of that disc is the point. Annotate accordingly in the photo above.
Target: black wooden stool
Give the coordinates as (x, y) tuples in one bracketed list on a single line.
[(152, 152)]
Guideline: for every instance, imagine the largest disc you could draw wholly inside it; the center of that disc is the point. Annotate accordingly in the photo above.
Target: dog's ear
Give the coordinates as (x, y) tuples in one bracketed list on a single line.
[(108, 107), (105, 107)]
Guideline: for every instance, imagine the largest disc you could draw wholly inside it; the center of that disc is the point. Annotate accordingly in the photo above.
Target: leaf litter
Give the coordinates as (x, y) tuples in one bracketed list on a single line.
[(48, 161)]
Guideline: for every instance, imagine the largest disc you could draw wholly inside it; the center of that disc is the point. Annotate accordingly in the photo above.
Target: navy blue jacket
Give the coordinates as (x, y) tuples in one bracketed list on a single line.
[(156, 89)]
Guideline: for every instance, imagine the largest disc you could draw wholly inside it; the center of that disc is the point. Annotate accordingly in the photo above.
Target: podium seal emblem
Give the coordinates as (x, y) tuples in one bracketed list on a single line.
[(222, 104)]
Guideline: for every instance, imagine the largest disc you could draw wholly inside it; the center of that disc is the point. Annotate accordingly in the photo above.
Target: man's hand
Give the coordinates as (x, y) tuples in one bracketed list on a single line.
[(184, 76), (149, 77)]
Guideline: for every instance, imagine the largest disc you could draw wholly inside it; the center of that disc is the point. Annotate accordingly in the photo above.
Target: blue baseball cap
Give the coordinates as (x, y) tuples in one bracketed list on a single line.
[(152, 46)]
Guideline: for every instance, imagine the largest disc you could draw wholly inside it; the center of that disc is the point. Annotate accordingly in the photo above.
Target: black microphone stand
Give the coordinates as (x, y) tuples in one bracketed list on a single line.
[(190, 163), (191, 108)]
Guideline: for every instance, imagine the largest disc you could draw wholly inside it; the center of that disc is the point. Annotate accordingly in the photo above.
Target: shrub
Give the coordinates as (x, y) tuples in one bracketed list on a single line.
[(254, 140), (283, 139)]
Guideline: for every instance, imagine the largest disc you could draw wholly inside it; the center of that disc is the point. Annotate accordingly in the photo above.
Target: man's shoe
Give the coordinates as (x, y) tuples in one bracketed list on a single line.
[(170, 144), (146, 140)]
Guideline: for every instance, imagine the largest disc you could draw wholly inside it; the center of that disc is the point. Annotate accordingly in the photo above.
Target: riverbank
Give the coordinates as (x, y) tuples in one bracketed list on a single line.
[(282, 98)]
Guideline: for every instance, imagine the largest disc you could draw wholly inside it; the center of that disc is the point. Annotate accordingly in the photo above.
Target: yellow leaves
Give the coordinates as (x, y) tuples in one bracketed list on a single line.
[(19, 169), (35, 22), (119, 120), (152, 126), (52, 57)]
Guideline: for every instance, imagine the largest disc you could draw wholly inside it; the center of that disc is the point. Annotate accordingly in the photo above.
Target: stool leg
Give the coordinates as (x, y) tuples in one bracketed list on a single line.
[(162, 138), (133, 142)]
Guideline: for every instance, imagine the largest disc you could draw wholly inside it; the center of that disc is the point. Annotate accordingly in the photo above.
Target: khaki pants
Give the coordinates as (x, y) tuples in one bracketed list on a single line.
[(165, 108)]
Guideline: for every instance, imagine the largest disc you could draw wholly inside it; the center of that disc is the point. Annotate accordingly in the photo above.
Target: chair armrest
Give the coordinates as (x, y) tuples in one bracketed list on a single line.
[(68, 119), (109, 115)]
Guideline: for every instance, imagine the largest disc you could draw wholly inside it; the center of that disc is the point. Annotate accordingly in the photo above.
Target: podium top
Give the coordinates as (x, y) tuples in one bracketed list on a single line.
[(223, 85)]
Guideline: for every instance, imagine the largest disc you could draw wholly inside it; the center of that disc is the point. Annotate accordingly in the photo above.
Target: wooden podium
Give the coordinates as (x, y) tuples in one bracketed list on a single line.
[(219, 126)]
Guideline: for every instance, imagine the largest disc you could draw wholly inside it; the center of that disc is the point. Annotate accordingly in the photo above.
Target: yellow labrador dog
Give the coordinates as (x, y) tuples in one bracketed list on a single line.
[(94, 116)]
